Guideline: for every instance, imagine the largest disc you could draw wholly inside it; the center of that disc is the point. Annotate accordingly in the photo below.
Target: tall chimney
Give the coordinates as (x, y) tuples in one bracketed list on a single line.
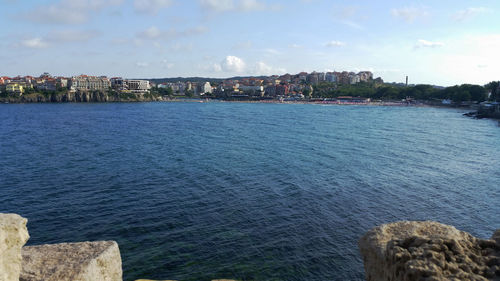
[(407, 81)]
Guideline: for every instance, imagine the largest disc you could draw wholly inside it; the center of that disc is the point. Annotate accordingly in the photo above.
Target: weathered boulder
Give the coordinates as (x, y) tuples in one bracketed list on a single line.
[(13, 236), (85, 261), (407, 251)]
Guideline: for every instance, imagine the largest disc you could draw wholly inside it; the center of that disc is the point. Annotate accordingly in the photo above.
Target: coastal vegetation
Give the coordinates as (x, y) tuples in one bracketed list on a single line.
[(322, 90), (64, 95), (457, 94)]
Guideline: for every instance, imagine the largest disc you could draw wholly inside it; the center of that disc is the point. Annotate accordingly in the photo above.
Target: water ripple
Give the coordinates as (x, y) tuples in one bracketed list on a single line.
[(245, 191)]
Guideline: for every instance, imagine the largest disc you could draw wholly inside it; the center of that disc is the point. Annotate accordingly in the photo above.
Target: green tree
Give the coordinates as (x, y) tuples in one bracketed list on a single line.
[(29, 90), (461, 95), (169, 91), (424, 92), (477, 93), (307, 92)]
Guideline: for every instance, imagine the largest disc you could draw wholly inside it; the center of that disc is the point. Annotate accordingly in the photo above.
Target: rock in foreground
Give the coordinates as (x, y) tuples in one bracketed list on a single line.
[(13, 236), (407, 251), (86, 261)]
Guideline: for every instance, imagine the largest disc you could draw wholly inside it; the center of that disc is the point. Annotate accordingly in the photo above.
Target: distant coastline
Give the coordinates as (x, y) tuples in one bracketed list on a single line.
[(99, 97), (345, 88), (110, 97), (80, 96)]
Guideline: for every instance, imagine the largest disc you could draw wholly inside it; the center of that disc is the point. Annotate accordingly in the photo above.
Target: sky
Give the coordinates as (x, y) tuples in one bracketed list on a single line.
[(433, 42)]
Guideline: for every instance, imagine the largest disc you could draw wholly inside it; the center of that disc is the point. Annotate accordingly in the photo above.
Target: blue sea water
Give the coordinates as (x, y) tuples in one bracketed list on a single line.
[(198, 191)]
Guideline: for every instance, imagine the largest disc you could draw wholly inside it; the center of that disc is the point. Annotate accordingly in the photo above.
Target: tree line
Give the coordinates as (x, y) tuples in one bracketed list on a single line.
[(458, 93)]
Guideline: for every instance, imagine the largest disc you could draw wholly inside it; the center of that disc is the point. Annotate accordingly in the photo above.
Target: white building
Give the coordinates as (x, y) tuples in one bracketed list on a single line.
[(206, 88), (245, 88), (321, 76), (354, 79), (89, 83), (138, 85)]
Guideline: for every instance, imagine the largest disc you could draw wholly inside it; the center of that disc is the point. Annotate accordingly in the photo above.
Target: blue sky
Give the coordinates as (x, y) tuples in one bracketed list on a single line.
[(434, 42)]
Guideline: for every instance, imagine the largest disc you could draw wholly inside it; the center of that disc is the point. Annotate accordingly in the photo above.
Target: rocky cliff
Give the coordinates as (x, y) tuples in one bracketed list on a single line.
[(408, 251), (13, 236), (80, 97), (85, 261)]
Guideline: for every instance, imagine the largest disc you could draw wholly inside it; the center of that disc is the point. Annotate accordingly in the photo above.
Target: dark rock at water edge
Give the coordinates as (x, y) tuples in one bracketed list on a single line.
[(81, 97)]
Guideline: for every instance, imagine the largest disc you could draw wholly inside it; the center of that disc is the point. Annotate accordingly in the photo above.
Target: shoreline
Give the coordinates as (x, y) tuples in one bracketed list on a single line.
[(473, 108), (200, 100), (207, 100)]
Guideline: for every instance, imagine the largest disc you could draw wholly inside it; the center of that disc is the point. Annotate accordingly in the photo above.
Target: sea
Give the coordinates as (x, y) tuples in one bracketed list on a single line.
[(246, 191)]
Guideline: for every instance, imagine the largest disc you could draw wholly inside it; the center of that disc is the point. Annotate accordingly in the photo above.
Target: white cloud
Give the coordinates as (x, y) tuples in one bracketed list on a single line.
[(256, 5), (59, 37), (35, 43), (210, 67), (295, 46), (178, 47), (142, 64), (261, 68), (167, 64), (69, 11), (348, 16), (272, 51), (154, 33), (233, 64), (64, 36), (335, 44), (346, 12), (468, 13), (410, 14), (217, 67), (151, 6), (351, 24), (428, 44), (217, 5), (252, 5)]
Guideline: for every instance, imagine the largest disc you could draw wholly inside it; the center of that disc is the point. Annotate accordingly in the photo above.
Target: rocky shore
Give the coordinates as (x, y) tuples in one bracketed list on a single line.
[(401, 251), (408, 251), (81, 97)]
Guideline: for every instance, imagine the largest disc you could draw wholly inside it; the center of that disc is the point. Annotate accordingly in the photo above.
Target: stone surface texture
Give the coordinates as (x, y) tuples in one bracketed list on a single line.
[(408, 251), (13, 236), (85, 261)]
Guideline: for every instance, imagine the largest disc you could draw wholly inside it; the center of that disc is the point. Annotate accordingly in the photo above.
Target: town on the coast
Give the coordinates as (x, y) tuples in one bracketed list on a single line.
[(284, 87), (319, 87)]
